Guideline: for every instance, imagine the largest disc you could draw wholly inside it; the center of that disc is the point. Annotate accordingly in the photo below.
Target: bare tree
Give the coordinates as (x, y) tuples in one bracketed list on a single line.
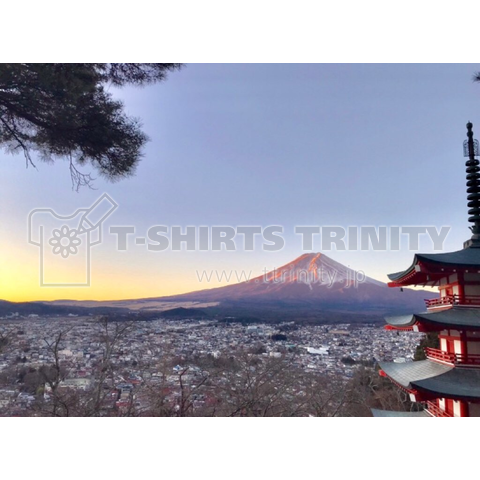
[(256, 386), (5, 336), (65, 400), (369, 390), (111, 333), (54, 374)]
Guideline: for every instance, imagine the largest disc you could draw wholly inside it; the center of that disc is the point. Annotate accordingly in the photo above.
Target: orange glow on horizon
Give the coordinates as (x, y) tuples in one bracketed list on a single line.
[(20, 281), (118, 277)]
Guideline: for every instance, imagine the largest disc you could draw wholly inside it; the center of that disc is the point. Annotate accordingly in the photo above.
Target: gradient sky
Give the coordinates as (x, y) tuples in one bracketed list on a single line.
[(262, 144)]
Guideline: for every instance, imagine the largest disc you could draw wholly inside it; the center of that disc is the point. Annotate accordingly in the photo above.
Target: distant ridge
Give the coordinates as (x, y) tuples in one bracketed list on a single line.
[(311, 285), (182, 312), (50, 308)]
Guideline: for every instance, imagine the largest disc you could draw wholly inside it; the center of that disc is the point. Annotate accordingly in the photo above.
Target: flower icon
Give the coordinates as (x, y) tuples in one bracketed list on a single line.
[(65, 241)]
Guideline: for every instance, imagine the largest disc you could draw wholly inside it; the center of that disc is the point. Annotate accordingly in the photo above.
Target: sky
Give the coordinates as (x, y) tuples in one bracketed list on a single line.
[(260, 144)]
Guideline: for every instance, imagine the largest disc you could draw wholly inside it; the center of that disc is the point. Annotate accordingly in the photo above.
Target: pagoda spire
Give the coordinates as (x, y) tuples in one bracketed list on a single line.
[(447, 380), (471, 150)]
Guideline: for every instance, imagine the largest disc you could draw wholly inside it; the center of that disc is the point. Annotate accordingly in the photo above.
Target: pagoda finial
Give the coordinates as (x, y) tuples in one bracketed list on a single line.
[(471, 150)]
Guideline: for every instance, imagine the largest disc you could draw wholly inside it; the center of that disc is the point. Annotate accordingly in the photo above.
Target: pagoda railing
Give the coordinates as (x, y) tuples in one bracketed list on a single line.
[(448, 300), (436, 411), (471, 359)]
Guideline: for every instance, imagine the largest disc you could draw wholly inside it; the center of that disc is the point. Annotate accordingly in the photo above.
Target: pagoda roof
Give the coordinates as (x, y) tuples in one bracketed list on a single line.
[(457, 317), (435, 378), (426, 264), (390, 413)]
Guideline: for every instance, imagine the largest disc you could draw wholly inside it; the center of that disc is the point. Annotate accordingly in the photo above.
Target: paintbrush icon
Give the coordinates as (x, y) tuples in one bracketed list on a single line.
[(96, 214)]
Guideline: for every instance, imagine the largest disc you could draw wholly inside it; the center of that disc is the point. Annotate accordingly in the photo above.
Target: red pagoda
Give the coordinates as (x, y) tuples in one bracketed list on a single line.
[(447, 382)]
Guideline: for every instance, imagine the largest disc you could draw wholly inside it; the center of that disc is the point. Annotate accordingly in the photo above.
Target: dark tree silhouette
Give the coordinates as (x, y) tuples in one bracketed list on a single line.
[(429, 340), (63, 110)]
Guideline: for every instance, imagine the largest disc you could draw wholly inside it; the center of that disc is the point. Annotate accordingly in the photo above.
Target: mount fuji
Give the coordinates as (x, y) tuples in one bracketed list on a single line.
[(317, 280), (311, 287)]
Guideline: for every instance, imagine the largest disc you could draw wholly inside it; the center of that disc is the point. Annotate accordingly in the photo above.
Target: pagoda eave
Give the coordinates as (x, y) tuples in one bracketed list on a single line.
[(414, 394), (456, 317), (389, 413), (423, 274), (426, 380), (428, 269), (401, 329)]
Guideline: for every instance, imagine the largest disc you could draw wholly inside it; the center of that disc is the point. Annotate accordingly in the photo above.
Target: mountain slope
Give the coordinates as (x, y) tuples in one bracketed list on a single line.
[(314, 279), (312, 284)]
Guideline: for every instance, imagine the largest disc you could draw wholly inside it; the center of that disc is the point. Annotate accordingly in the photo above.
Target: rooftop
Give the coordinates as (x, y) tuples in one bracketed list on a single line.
[(458, 317), (389, 413), (429, 268), (435, 379)]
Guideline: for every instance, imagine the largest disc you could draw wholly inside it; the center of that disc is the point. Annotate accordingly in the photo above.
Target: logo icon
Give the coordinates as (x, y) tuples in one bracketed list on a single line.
[(65, 241)]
